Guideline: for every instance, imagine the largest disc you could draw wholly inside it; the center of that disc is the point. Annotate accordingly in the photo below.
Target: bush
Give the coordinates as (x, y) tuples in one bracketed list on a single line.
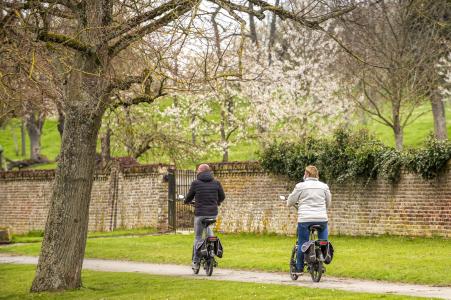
[(430, 160), (354, 156)]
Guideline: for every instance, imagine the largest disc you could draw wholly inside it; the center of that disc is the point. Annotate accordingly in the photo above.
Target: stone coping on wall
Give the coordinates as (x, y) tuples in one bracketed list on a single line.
[(237, 167), (50, 174), (146, 169), (27, 174)]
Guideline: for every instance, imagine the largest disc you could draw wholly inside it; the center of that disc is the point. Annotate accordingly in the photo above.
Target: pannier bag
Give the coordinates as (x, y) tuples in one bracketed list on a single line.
[(328, 252), (201, 247), (308, 248)]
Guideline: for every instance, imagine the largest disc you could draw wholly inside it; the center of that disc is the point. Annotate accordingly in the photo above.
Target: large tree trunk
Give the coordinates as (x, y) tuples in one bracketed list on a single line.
[(63, 246), (438, 111)]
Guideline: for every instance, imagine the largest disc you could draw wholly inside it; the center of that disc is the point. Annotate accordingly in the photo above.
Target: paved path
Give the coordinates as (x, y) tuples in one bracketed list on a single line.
[(327, 282)]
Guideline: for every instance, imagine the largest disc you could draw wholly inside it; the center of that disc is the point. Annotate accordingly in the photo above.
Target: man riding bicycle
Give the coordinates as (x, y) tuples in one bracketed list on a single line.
[(313, 198), (209, 195)]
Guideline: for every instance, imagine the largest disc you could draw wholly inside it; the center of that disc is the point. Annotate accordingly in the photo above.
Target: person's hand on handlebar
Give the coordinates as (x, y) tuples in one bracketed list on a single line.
[(285, 198)]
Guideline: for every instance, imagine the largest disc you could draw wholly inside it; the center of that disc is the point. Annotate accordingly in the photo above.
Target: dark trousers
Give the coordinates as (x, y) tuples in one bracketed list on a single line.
[(303, 236)]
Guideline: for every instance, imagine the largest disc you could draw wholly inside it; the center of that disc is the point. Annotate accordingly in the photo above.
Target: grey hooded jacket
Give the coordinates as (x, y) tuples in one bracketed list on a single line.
[(313, 198)]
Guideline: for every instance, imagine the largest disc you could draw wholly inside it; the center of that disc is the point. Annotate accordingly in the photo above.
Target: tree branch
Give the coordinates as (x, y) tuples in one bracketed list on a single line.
[(128, 39), (137, 100), (145, 17), (125, 83), (65, 41), (231, 7), (373, 103), (284, 14)]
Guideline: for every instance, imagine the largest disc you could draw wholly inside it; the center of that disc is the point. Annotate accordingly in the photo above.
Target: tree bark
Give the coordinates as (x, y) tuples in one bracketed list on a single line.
[(61, 118), (438, 112), (399, 137), (105, 142), (193, 131), (252, 29), (397, 127), (22, 139), (225, 154), (222, 129), (34, 122), (272, 33)]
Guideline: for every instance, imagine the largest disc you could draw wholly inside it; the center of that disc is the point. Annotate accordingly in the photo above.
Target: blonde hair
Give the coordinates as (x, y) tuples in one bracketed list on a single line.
[(312, 171)]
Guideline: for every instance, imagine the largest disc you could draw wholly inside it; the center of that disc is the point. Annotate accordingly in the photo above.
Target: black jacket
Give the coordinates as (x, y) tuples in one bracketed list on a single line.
[(208, 193)]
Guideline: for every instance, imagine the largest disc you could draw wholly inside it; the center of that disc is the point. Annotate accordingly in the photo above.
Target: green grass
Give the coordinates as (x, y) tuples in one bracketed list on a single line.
[(398, 259), (50, 142), (16, 281), (36, 235), (414, 134)]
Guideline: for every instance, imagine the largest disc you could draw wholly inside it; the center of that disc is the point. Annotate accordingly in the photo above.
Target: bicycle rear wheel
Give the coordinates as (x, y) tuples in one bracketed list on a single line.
[(209, 265), (316, 271), (294, 254)]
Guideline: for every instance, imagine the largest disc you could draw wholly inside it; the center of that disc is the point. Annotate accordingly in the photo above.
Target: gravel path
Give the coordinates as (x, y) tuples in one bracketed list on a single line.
[(327, 282)]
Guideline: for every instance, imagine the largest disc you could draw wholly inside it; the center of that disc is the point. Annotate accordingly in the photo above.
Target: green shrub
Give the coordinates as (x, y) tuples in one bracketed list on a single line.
[(354, 156), (430, 160)]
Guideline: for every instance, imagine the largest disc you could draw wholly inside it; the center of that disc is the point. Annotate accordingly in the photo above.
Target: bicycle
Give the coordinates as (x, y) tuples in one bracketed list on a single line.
[(316, 253), (208, 249)]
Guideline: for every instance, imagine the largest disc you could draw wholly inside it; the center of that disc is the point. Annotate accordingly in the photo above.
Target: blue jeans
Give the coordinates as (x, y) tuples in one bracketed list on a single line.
[(304, 235)]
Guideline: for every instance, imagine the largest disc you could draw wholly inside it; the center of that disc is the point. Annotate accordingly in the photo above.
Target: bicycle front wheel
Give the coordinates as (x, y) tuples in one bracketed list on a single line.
[(294, 255)]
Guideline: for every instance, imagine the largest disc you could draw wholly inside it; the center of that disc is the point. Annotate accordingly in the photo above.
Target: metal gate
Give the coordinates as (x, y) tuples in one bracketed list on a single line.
[(181, 216)]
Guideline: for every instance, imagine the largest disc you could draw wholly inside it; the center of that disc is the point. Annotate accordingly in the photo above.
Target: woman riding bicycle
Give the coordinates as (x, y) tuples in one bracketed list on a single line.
[(313, 198)]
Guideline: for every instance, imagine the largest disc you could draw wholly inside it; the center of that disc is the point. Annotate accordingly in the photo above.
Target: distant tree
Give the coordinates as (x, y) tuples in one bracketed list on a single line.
[(399, 76), (297, 92), (429, 20)]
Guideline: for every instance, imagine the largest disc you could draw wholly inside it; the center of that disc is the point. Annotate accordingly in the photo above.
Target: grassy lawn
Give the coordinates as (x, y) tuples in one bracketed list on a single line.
[(415, 133), (36, 236), (401, 259), (16, 281)]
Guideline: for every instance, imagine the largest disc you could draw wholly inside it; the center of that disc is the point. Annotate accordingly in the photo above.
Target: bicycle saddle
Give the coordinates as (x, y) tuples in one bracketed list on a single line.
[(315, 227), (208, 222)]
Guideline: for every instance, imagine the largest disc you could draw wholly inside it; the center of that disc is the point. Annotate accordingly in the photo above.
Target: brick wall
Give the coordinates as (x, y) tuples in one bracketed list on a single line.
[(127, 198), (137, 197), (414, 206)]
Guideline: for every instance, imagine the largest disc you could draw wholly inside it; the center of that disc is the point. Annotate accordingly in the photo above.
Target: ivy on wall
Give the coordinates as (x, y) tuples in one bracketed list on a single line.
[(354, 156)]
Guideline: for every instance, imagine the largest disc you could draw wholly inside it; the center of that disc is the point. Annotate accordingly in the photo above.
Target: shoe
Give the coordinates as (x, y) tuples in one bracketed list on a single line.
[(299, 270), (195, 266)]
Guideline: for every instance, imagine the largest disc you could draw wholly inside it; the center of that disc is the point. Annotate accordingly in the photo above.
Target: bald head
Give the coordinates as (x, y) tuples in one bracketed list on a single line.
[(203, 168)]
